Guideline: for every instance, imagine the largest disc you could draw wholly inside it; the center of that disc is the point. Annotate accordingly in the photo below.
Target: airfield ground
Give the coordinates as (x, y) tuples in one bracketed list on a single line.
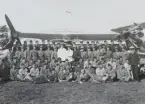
[(72, 93)]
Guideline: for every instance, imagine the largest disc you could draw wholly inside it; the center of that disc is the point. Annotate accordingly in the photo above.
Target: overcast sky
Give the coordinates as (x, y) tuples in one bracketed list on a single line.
[(83, 16)]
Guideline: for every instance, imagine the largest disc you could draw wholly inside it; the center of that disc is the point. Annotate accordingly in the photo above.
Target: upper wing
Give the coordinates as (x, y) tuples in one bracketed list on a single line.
[(71, 36), (93, 36), (15, 33), (121, 29), (39, 35)]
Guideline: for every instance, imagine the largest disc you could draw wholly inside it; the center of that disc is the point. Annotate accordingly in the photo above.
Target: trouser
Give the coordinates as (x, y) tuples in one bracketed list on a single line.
[(41, 79), (135, 72)]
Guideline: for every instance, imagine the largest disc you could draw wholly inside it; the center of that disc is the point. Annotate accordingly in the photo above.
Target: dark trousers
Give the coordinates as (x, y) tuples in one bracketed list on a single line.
[(135, 72)]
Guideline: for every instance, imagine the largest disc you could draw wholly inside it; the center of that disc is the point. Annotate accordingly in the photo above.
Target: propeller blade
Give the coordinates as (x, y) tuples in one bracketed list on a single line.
[(14, 34), (10, 25)]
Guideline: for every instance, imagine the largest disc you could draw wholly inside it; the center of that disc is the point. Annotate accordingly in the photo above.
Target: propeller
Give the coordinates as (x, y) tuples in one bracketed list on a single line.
[(14, 35)]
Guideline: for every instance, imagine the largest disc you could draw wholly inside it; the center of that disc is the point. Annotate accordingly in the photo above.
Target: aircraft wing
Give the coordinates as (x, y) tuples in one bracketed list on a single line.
[(121, 29), (71, 36), (93, 36), (17, 34), (39, 35)]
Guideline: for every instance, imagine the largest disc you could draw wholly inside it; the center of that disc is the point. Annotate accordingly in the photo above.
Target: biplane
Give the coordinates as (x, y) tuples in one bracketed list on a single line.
[(124, 33)]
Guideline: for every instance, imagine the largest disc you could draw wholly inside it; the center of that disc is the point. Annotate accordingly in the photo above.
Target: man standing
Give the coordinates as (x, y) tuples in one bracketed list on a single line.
[(61, 53), (120, 46), (48, 54), (76, 54), (25, 45), (44, 46), (109, 53), (37, 47), (54, 54), (34, 54), (90, 53), (112, 46), (69, 54), (82, 45), (41, 53), (27, 54), (31, 45), (134, 61)]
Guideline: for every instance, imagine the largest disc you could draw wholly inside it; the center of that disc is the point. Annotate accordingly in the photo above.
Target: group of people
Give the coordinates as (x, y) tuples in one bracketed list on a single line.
[(59, 62)]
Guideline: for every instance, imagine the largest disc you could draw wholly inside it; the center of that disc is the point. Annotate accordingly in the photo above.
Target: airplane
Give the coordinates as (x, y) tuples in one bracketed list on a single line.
[(132, 34), (16, 35)]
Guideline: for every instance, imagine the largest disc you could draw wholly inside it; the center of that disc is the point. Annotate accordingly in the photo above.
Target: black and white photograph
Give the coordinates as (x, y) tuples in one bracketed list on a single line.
[(72, 52)]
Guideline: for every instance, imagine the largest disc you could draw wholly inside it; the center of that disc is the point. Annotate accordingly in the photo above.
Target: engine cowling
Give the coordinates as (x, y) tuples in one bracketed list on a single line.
[(140, 34)]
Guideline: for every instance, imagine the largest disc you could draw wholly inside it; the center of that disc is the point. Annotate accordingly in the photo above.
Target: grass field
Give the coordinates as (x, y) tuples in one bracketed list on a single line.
[(72, 93)]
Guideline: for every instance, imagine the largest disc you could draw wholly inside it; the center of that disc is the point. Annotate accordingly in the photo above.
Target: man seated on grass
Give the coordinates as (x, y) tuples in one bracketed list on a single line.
[(22, 73), (13, 73), (72, 75), (53, 76), (34, 73), (122, 74), (43, 77), (91, 74), (84, 77), (111, 73), (62, 75), (101, 74)]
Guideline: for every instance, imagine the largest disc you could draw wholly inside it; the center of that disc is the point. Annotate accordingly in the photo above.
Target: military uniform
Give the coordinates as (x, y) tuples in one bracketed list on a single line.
[(54, 54), (27, 54), (34, 55), (48, 54), (90, 55), (134, 61), (41, 55)]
